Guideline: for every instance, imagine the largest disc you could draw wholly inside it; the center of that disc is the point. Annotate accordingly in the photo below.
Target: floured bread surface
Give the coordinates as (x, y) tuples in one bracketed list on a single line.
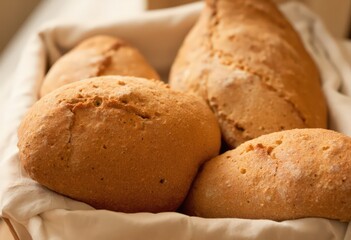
[(119, 143), (245, 59), (285, 175), (97, 56)]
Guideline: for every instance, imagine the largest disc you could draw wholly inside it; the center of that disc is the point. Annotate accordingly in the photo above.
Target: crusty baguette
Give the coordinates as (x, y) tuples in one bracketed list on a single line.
[(97, 56), (284, 175), (245, 59), (119, 143)]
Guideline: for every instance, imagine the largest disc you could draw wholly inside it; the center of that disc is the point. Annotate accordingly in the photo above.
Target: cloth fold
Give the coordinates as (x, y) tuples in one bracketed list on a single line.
[(38, 213)]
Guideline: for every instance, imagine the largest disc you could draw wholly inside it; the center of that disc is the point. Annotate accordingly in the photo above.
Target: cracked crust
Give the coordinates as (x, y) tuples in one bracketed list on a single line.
[(247, 62), (112, 141), (97, 56), (284, 175)]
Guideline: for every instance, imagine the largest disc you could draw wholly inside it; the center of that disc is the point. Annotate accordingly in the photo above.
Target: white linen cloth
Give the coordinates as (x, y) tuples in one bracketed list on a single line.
[(38, 213)]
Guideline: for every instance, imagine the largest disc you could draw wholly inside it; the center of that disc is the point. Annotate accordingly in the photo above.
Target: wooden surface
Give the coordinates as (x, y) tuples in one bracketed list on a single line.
[(157, 4), (5, 233), (12, 14)]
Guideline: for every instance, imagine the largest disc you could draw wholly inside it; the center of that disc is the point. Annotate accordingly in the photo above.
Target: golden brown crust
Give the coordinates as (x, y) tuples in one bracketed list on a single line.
[(245, 59), (97, 56), (285, 175), (119, 143)]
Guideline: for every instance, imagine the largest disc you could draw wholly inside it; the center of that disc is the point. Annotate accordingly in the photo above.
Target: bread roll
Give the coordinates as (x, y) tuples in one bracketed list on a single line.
[(119, 143), (97, 56), (284, 175), (245, 59)]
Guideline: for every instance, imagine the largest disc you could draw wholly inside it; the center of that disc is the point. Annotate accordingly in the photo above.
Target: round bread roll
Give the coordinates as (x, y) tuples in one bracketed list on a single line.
[(97, 56), (284, 175), (119, 143), (246, 60)]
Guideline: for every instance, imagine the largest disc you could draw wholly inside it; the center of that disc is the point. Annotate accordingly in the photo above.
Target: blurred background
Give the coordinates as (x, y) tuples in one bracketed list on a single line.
[(14, 13)]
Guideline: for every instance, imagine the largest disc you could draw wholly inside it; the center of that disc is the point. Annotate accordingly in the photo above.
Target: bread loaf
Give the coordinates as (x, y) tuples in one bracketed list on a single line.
[(119, 143), (284, 175), (245, 59), (97, 56)]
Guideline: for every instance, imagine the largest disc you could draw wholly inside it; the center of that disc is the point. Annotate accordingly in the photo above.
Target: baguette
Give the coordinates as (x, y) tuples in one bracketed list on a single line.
[(248, 63)]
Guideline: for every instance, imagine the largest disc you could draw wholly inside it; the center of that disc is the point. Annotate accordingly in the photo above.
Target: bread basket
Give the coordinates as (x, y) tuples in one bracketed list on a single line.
[(34, 212)]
